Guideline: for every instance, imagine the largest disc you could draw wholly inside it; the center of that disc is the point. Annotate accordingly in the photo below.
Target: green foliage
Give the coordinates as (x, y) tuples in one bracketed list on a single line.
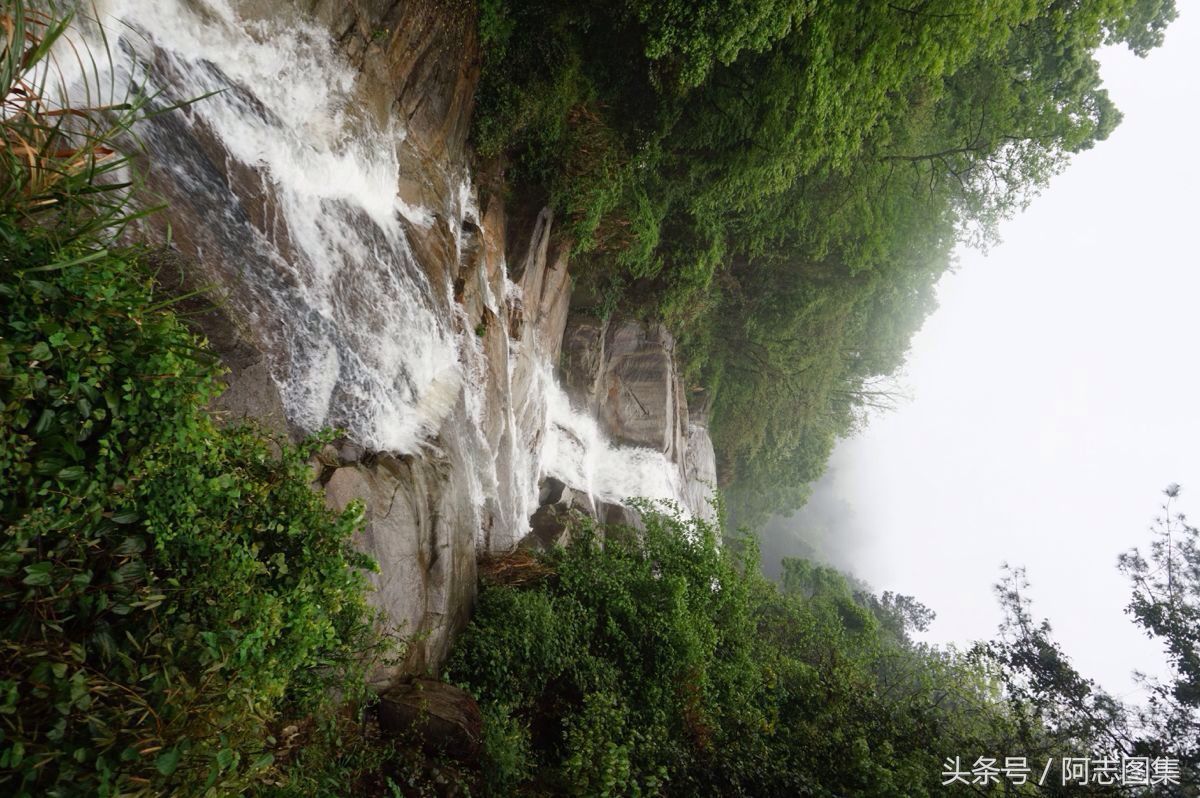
[(327, 755), (61, 179), (1058, 709), (783, 181), (670, 666), (1166, 605), (128, 519), (169, 590), (506, 749)]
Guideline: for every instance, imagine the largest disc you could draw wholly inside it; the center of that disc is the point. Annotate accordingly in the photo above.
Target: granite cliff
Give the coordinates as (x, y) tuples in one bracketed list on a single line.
[(354, 278)]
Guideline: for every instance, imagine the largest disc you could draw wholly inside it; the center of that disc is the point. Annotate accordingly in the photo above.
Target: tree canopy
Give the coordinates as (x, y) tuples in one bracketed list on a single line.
[(784, 182)]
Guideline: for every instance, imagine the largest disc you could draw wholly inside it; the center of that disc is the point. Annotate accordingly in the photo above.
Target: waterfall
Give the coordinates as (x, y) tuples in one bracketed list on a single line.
[(329, 280), (287, 186), (578, 453)]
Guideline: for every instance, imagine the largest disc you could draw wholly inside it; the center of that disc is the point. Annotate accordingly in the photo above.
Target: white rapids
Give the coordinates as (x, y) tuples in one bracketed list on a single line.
[(359, 336)]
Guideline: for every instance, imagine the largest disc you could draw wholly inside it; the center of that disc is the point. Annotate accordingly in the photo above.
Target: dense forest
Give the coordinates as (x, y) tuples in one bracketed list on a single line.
[(182, 614), (784, 181), (670, 666)]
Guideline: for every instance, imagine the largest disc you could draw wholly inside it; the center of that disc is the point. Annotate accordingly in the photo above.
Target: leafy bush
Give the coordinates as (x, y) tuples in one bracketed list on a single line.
[(670, 666), (169, 590), (167, 584)]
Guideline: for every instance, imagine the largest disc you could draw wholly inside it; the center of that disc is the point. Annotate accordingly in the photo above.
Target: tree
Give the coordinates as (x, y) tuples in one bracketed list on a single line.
[(783, 181), (1166, 604), (1058, 710)]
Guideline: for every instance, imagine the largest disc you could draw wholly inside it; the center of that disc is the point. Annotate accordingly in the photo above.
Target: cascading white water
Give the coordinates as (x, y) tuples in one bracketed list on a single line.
[(319, 259), (578, 453), (336, 286)]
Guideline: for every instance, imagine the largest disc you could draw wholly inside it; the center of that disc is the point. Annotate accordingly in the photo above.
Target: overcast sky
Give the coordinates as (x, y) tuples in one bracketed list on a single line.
[(1056, 391)]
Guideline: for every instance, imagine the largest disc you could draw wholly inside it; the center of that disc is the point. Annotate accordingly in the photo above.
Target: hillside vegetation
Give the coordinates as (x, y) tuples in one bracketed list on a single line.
[(784, 180), (668, 665), (182, 615), (172, 592)]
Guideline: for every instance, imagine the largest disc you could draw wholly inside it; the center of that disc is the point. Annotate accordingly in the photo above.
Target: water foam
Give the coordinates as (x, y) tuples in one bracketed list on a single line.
[(579, 453), (359, 337), (366, 348)]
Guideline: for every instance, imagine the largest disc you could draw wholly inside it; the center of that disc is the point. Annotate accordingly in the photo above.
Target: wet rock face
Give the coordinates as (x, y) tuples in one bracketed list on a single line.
[(417, 527), (249, 393), (418, 59), (417, 65), (582, 360), (422, 526), (700, 466), (623, 370), (541, 272), (424, 545), (640, 399)]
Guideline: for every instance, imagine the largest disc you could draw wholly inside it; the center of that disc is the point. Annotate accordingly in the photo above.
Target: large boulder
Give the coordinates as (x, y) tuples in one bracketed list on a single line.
[(549, 528), (443, 718), (420, 531), (558, 507), (614, 514)]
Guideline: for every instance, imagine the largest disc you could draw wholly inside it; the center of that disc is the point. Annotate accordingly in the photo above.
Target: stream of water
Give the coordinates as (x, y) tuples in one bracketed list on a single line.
[(280, 179)]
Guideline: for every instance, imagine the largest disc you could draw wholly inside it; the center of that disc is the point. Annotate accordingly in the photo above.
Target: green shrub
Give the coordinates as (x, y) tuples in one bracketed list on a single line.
[(617, 663), (670, 666), (507, 758), (166, 585), (170, 591)]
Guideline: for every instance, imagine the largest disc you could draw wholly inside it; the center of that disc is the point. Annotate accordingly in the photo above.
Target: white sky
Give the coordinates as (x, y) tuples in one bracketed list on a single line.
[(1056, 391)]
